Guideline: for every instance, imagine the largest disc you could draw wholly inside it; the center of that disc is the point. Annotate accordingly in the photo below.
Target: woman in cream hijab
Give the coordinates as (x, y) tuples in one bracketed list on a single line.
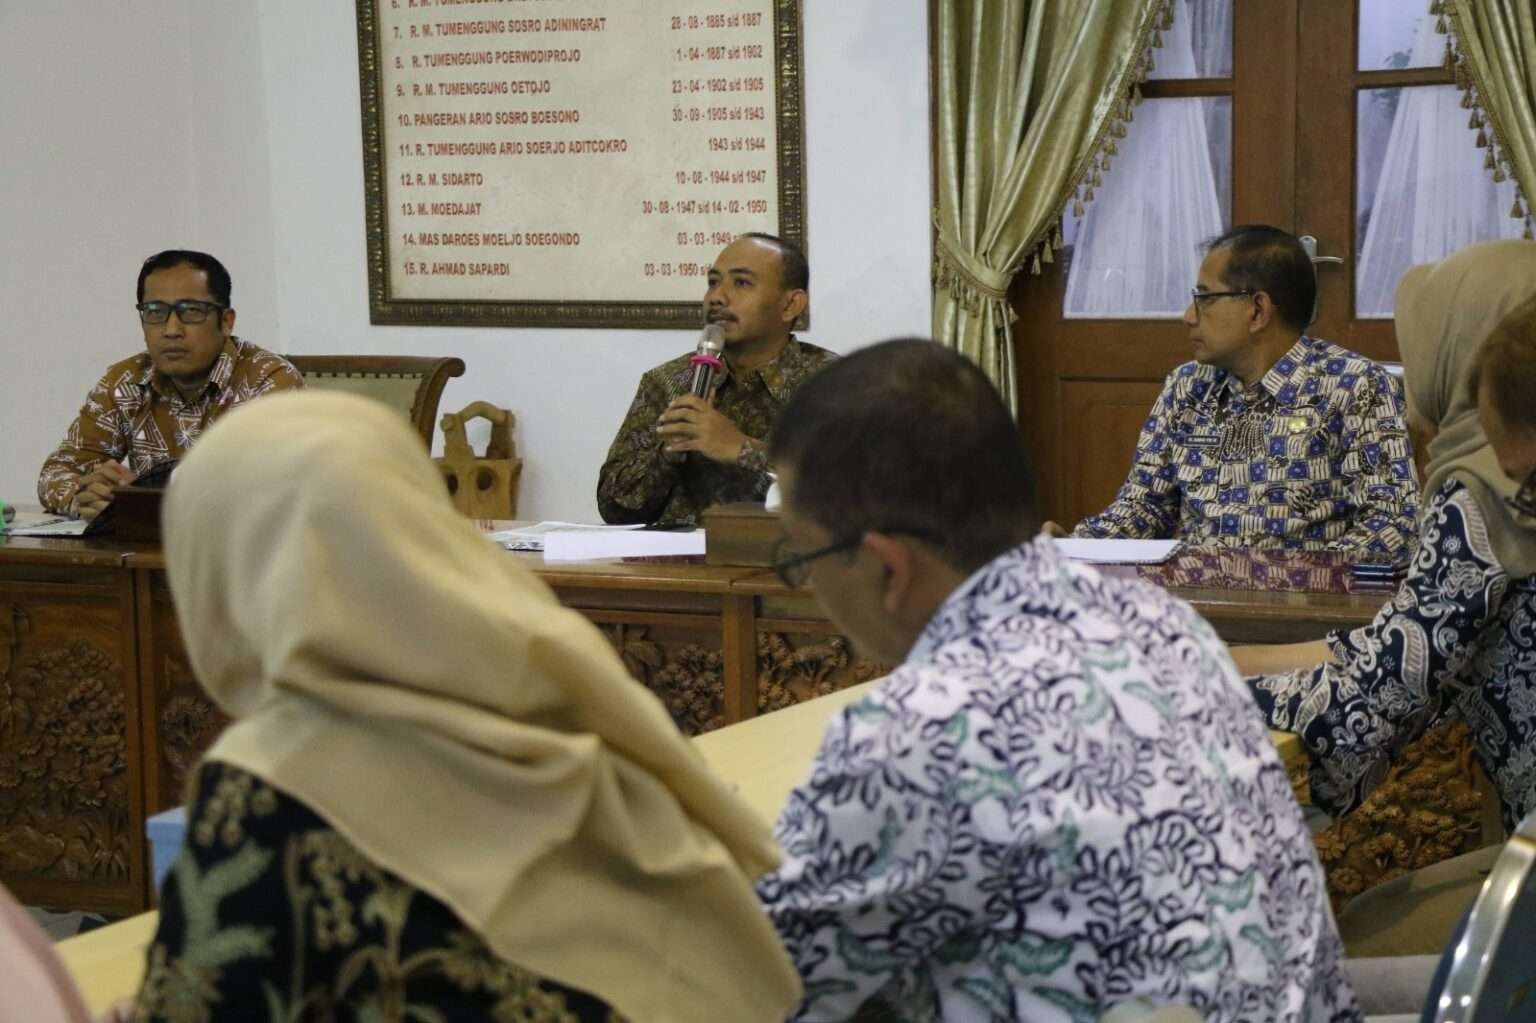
[(1459, 638), (442, 797)]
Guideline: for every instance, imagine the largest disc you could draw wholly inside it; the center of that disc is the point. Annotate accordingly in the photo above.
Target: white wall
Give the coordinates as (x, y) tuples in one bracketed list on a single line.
[(285, 74), (129, 128)]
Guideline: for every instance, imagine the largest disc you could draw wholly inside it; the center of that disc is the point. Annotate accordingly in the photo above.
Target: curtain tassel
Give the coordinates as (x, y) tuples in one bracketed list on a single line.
[(1515, 212), (1448, 59), (1482, 139), (1056, 235), (1435, 9), (1110, 147), (1474, 122), (1490, 164), (1034, 267), (1136, 97), (1527, 236), (1466, 100), (1442, 26), (1499, 177), (1046, 256), (1077, 208), (1088, 194), (1168, 10)]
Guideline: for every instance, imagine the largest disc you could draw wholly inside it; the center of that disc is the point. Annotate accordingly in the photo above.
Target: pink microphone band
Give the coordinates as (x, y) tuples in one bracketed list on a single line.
[(707, 360)]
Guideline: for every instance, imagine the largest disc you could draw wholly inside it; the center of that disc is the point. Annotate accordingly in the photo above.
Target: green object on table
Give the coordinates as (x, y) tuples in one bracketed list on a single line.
[(7, 514)]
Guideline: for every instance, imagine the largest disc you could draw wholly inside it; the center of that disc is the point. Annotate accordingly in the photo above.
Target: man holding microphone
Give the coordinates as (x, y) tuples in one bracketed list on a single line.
[(677, 453)]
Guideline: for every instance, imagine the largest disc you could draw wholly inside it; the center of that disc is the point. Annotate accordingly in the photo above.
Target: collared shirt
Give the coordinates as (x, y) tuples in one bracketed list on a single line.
[(637, 484), (1061, 801), (1455, 641), (1315, 456), (135, 415)]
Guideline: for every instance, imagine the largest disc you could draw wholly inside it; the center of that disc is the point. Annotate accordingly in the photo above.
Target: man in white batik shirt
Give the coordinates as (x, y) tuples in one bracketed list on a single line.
[(1063, 799)]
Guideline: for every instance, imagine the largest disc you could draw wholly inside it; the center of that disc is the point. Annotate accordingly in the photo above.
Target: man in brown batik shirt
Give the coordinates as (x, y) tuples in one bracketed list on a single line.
[(676, 454), (150, 407)]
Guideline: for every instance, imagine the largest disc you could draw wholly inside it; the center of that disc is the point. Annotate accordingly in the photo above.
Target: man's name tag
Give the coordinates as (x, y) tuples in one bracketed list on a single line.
[(1203, 438), (1294, 425)]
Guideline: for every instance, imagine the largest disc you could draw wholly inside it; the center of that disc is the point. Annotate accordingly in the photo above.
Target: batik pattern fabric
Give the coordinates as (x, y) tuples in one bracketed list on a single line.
[(269, 914), (1458, 639), (136, 416), (638, 483), (1315, 456), (1063, 800)]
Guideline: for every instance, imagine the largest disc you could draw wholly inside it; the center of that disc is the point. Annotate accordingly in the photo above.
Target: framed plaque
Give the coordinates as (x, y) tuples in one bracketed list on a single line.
[(572, 163)]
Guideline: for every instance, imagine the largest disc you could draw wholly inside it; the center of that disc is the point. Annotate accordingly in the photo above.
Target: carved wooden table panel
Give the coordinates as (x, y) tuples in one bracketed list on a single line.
[(800, 654), (101, 719), (71, 811), (180, 722)]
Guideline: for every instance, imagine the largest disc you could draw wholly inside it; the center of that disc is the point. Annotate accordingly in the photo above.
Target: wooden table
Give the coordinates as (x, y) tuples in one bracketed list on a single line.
[(101, 719)]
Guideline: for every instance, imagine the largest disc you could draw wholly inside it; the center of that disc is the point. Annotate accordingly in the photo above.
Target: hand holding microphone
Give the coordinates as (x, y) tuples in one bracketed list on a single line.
[(691, 422)]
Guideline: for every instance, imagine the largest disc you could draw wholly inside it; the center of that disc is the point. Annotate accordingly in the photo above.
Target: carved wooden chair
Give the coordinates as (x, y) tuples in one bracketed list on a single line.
[(411, 383)]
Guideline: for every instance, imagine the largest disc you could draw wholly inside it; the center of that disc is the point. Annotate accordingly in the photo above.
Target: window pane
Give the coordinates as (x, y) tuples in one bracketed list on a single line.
[(1200, 43), (1136, 251), (1422, 191), (1393, 34)]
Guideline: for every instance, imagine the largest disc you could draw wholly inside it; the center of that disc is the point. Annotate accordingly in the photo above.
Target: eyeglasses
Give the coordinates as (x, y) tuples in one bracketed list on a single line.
[(793, 569), (187, 311), (1200, 299), (1524, 501)]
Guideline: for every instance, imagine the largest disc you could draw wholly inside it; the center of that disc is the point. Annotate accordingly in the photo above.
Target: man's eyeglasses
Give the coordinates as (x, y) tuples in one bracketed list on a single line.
[(1200, 299), (187, 311), (1524, 501), (793, 568)]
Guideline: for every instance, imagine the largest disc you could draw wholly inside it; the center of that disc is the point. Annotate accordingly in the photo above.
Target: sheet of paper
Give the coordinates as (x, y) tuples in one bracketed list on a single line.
[(42, 524), (531, 538), (588, 545), (1118, 552)]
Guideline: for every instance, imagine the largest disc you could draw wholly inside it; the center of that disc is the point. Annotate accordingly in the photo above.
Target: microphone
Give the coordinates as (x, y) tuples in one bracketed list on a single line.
[(706, 359)]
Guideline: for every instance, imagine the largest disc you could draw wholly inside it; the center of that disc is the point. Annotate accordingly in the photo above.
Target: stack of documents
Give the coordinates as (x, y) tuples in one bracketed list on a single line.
[(1118, 552), (573, 541), (531, 538), (43, 524)]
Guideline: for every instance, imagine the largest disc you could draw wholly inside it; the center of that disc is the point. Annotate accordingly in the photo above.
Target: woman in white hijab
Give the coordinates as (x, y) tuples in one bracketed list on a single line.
[(1459, 637), (442, 797)]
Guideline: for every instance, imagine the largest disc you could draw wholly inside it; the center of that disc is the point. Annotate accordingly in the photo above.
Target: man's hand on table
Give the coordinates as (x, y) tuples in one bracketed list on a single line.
[(96, 486)]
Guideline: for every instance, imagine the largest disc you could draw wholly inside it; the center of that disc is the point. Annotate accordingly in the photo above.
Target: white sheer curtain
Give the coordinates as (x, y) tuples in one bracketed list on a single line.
[(1433, 194), (1136, 251)]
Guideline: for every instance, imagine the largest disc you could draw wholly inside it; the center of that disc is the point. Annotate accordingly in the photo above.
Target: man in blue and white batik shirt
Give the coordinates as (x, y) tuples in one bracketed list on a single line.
[(1063, 799)]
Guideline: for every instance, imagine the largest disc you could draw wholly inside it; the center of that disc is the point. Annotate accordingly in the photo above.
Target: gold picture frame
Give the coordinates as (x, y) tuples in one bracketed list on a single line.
[(386, 233)]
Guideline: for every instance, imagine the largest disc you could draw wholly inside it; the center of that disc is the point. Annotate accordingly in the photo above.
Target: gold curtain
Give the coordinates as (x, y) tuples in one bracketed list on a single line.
[(1492, 51), (1032, 95)]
